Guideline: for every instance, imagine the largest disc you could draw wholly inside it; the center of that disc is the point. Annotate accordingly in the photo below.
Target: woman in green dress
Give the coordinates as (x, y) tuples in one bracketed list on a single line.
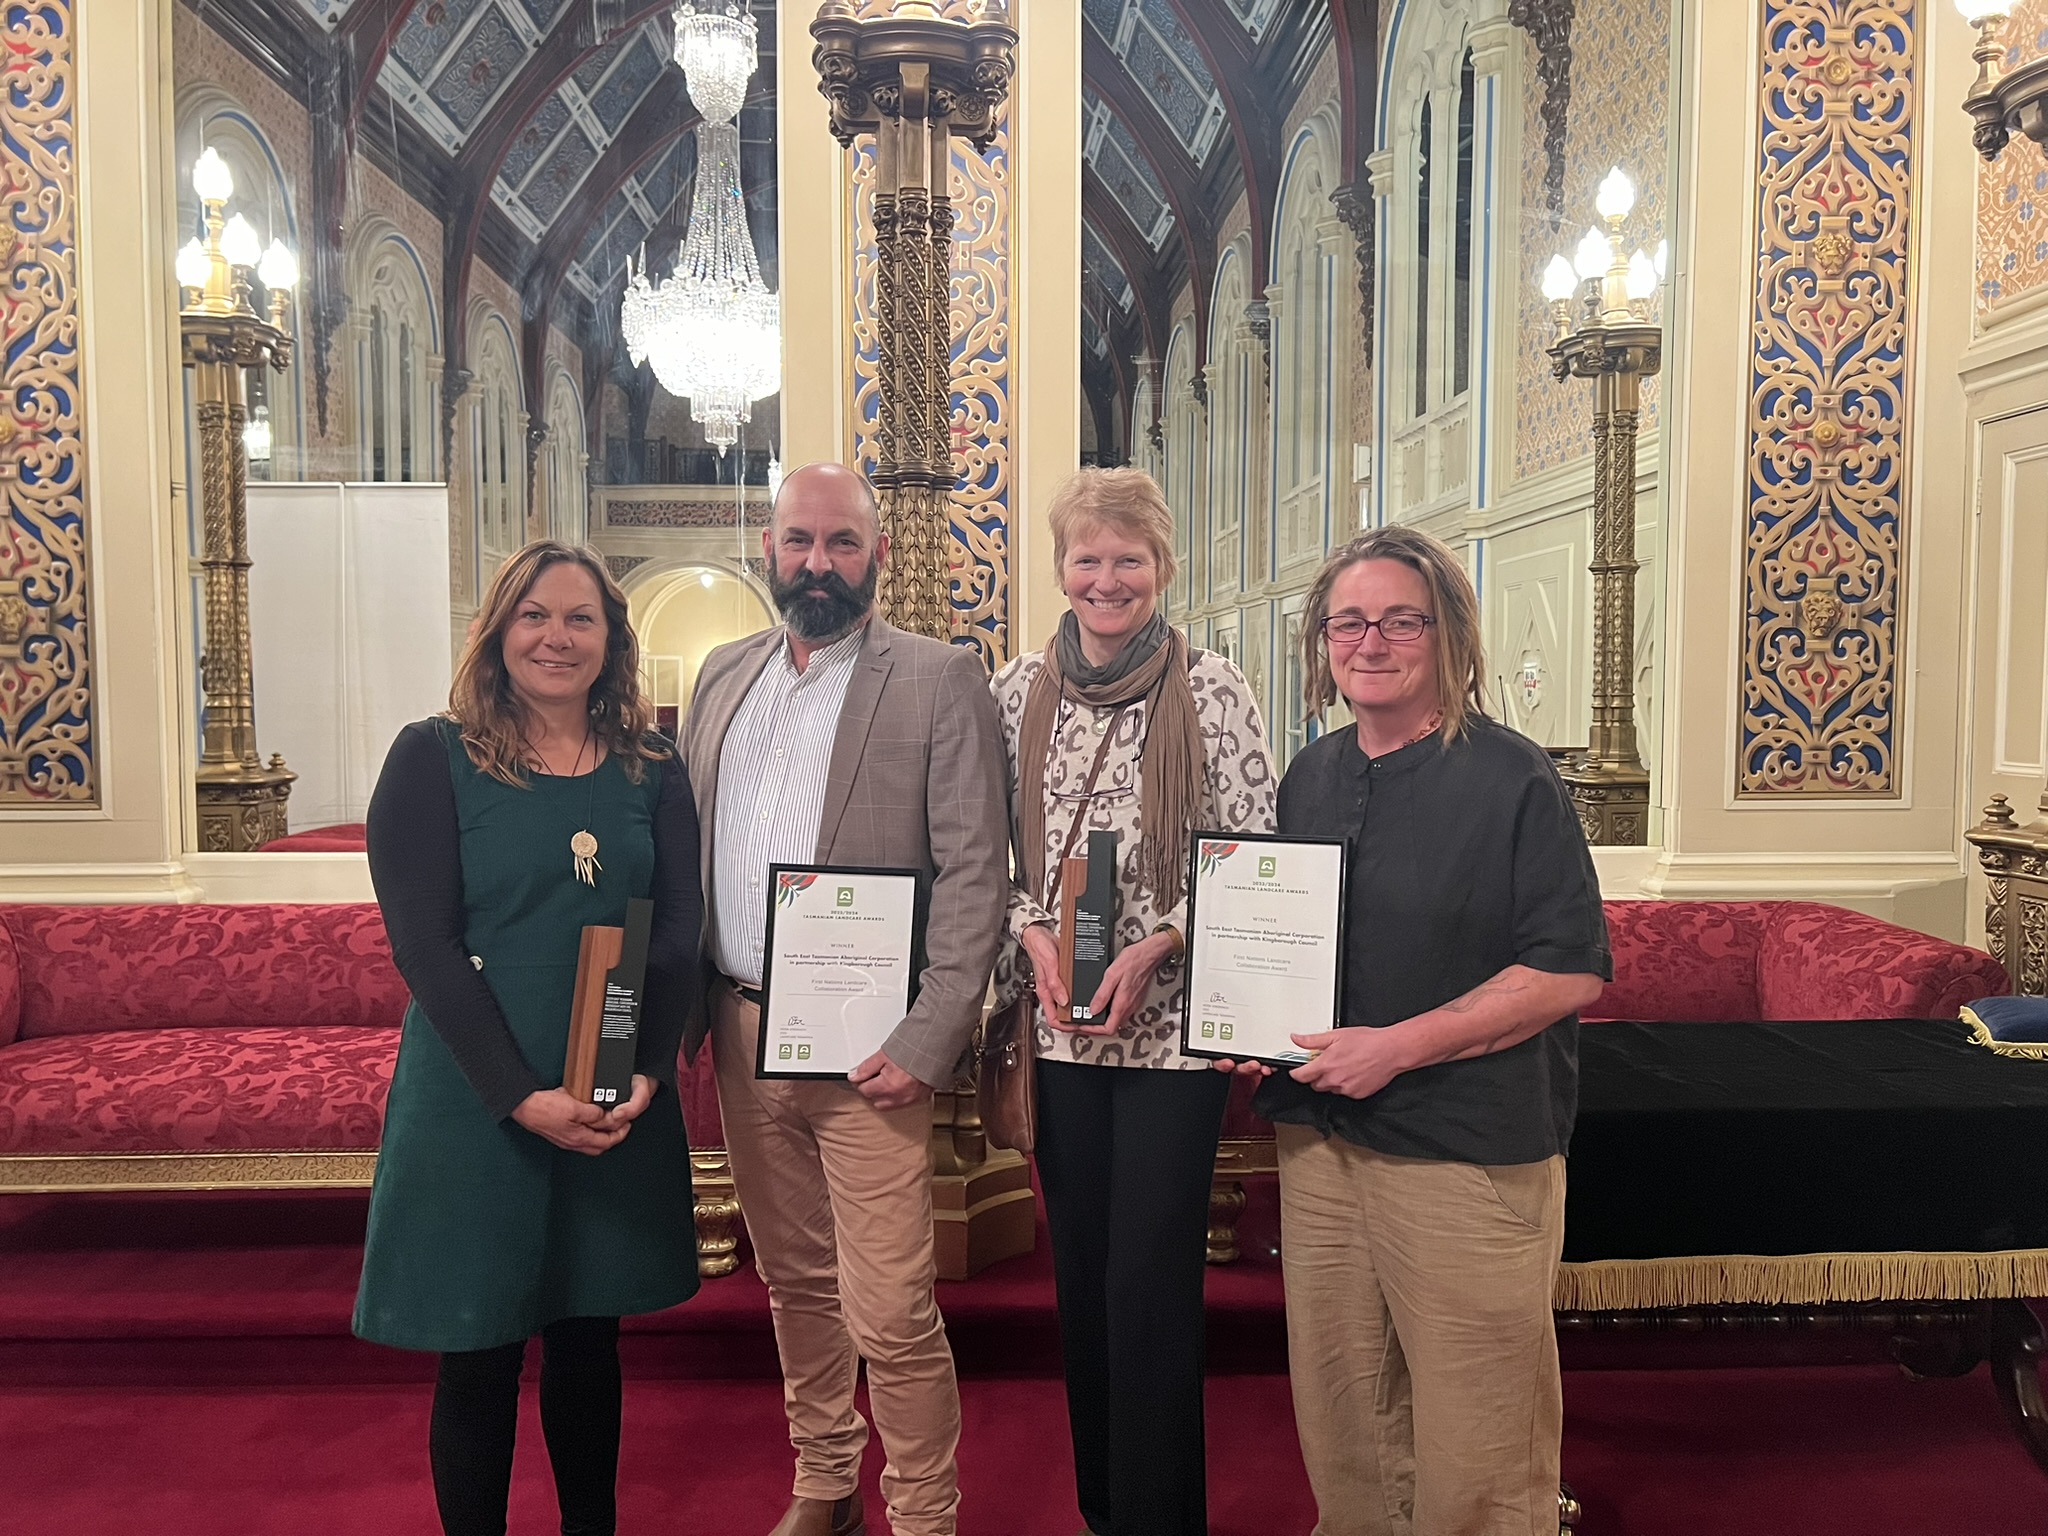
[(503, 1207)]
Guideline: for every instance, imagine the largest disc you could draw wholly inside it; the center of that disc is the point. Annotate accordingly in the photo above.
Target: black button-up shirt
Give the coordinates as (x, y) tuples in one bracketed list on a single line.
[(1466, 857)]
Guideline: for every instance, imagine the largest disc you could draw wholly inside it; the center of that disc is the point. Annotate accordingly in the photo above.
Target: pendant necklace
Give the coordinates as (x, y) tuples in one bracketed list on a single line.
[(584, 844)]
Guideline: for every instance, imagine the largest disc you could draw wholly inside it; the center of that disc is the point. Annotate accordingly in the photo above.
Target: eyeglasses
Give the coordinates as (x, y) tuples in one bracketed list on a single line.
[(1399, 628)]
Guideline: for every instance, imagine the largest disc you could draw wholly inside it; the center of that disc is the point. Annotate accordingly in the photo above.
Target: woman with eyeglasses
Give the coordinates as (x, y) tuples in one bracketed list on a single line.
[(1117, 726), (1422, 1145)]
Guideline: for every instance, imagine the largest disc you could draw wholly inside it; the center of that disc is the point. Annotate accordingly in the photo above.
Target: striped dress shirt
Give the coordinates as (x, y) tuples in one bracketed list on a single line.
[(772, 769)]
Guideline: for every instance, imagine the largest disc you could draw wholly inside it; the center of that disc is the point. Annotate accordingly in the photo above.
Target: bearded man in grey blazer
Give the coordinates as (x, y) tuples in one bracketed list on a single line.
[(835, 738)]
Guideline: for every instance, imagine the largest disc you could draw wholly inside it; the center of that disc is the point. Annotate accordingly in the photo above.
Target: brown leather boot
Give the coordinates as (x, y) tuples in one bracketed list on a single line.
[(823, 1517)]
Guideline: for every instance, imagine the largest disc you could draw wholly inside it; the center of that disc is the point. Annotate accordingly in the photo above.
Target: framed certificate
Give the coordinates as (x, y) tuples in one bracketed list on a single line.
[(839, 969), (1265, 944)]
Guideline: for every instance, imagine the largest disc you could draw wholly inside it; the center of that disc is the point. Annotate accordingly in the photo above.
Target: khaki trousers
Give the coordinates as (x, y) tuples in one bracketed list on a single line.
[(1420, 1338), (838, 1204)]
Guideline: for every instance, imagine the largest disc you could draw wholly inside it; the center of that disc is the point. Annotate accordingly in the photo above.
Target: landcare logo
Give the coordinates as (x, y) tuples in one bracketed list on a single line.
[(845, 898), (1269, 866)]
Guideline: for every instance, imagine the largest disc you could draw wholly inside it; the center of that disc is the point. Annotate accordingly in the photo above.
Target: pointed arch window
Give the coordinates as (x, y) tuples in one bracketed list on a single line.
[(1425, 188), (408, 384), (393, 382), (1461, 236)]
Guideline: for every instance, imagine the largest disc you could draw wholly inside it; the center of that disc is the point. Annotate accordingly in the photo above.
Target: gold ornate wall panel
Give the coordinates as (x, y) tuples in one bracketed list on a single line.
[(979, 304), (49, 747), (1829, 402), (1620, 105), (2012, 192)]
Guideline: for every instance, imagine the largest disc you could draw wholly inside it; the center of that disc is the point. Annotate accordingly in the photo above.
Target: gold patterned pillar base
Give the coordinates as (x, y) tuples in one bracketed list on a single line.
[(2015, 861), (718, 1214), (1613, 802), (240, 808), (1226, 1206), (983, 1208)]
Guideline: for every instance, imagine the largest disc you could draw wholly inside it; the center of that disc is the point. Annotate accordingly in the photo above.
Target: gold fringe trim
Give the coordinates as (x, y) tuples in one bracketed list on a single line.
[(1980, 1034), (1801, 1279)]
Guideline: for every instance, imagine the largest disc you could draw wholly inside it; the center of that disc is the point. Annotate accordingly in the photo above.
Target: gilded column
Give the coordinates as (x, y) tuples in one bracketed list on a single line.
[(917, 93)]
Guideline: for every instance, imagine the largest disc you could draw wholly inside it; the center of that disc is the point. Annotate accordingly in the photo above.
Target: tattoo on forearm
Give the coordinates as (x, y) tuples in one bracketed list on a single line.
[(1486, 992)]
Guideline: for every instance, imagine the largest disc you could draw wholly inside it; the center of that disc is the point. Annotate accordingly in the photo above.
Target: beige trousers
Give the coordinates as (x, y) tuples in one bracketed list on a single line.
[(838, 1204), (1420, 1339)]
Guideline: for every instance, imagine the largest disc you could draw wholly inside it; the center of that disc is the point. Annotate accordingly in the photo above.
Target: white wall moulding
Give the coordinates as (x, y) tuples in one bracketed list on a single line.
[(1924, 891), (99, 883), (227, 877)]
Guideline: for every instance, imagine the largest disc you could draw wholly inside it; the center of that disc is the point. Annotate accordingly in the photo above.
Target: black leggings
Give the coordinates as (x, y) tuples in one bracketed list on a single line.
[(476, 1415)]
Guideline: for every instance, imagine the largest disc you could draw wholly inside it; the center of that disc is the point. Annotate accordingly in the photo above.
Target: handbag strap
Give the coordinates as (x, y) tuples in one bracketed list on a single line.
[(1052, 889)]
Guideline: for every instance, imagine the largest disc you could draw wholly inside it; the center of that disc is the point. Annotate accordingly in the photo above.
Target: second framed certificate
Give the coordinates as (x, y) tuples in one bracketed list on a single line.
[(1265, 944), (839, 969)]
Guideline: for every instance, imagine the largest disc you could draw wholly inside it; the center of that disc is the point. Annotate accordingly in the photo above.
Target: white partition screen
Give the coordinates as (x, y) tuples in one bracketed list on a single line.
[(349, 627)]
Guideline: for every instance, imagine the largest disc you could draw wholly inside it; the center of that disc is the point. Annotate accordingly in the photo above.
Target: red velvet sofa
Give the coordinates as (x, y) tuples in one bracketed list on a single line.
[(194, 1047), (181, 1047), (1700, 961)]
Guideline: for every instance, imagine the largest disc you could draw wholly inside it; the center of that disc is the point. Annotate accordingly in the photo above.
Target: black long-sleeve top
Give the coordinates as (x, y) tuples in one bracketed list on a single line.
[(414, 840)]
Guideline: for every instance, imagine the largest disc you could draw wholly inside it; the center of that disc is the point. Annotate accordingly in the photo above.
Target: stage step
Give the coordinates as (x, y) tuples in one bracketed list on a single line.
[(235, 1288)]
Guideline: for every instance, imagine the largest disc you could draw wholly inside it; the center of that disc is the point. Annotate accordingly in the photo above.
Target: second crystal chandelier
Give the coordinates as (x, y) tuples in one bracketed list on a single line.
[(711, 329)]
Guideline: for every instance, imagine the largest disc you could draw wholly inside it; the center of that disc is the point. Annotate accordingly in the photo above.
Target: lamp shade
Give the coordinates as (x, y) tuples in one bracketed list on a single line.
[(1559, 280), (1977, 12), (1594, 256), (194, 266), (1642, 275), (1663, 260), (239, 244), (256, 438), (280, 268), (1617, 195), (212, 179)]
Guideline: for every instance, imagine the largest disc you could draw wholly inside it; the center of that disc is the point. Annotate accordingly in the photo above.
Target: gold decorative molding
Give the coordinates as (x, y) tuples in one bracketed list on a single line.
[(1829, 400), (49, 735), (718, 1208), (129, 1172)]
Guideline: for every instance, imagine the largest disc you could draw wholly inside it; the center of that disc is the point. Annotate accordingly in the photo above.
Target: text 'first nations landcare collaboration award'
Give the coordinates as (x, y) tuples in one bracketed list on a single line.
[(838, 972), (604, 1011), (1265, 945)]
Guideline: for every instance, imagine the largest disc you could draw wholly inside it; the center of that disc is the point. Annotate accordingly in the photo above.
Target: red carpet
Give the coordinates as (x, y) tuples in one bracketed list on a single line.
[(181, 1364)]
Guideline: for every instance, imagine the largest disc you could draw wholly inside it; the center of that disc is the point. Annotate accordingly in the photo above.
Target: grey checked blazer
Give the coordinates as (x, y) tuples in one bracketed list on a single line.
[(916, 782)]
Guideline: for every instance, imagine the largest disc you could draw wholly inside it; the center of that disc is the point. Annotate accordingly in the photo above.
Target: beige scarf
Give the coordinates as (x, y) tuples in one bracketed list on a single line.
[(1154, 667)]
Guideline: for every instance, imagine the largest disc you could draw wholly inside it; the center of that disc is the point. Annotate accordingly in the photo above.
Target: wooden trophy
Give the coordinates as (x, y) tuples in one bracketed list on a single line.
[(604, 1015), (1087, 919)]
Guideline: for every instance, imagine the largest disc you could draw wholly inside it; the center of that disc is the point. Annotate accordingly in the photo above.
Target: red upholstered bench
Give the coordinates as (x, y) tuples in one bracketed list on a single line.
[(194, 1047), (1706, 961)]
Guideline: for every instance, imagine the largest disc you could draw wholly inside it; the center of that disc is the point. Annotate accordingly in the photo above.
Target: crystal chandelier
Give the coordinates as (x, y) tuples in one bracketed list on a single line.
[(715, 51), (711, 329)]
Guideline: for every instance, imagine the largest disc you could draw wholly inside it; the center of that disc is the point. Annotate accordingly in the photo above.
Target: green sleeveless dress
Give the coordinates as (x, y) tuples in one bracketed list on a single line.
[(481, 1232)]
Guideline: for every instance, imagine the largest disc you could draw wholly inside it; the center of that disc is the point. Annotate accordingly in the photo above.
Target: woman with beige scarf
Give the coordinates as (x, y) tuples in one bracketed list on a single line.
[(1117, 726)]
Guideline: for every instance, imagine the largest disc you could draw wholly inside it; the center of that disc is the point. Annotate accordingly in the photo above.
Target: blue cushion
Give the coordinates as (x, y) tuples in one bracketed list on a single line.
[(2022, 1020)]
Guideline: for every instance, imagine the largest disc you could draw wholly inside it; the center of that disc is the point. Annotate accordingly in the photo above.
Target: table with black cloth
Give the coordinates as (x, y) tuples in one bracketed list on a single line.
[(1777, 1187)]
